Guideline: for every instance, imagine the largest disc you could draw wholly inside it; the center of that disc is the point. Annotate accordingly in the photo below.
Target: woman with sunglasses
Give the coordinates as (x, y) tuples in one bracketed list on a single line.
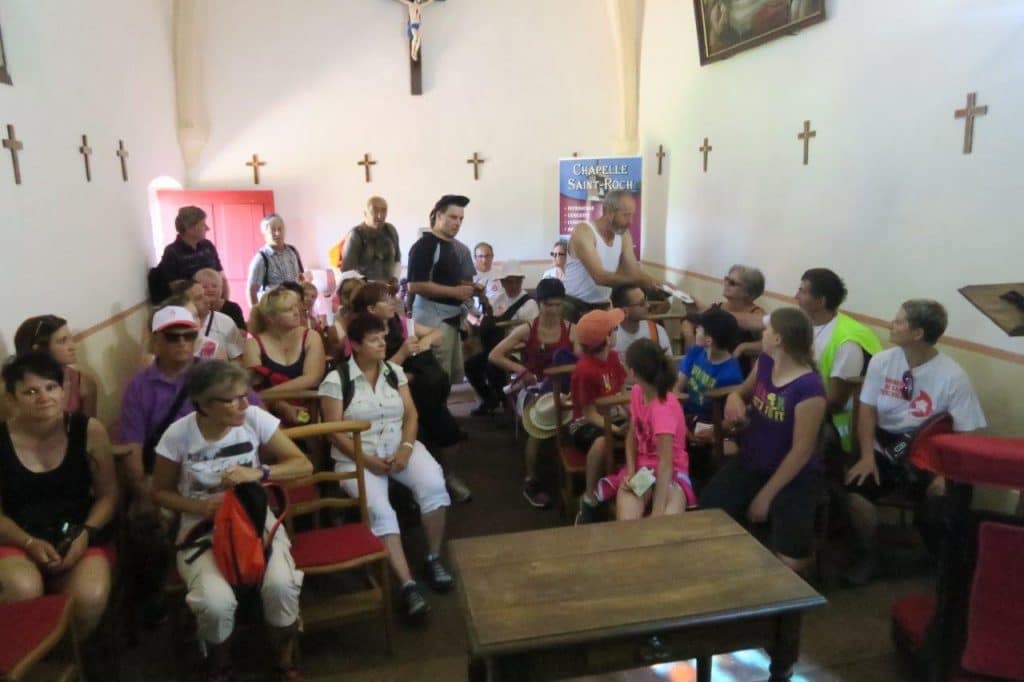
[(740, 288), (50, 333), (904, 387), (224, 443), (559, 252), (58, 494)]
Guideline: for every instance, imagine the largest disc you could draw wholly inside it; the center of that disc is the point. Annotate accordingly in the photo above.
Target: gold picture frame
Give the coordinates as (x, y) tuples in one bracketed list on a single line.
[(726, 27)]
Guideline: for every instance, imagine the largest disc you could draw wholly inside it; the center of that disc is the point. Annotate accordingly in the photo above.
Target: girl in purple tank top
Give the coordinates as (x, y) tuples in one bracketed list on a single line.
[(775, 477)]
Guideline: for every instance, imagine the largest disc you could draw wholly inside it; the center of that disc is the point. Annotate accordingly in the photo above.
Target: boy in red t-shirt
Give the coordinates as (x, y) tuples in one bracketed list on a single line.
[(597, 374)]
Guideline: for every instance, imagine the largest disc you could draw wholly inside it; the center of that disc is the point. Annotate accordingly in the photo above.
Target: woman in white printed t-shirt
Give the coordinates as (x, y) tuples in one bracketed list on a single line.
[(215, 447), (367, 387), (903, 388)]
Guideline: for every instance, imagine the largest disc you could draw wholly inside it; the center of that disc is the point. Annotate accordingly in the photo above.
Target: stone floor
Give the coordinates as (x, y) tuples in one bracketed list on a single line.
[(846, 640)]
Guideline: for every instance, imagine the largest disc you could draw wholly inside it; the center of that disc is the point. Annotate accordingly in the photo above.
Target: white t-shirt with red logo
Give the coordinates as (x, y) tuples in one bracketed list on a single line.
[(939, 385)]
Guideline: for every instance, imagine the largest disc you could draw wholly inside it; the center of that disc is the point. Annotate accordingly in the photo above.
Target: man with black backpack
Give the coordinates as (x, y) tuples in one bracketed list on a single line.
[(276, 262)]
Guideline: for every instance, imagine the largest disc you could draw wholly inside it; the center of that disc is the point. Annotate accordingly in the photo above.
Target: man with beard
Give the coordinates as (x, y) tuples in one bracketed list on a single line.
[(601, 257)]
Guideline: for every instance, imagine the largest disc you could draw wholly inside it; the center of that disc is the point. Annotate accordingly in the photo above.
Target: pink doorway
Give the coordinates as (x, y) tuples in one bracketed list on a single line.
[(234, 219)]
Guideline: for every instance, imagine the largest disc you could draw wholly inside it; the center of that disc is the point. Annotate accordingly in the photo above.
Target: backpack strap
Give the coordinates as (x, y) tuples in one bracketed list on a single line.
[(266, 268), (298, 258), (282, 503), (513, 309), (347, 389), (652, 330)]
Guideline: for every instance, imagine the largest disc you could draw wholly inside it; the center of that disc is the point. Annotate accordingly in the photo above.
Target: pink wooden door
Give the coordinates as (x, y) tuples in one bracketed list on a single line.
[(234, 220)]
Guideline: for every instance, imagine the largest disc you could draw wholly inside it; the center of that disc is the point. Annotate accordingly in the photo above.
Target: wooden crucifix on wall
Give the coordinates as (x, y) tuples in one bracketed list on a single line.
[(414, 32), (806, 136), (255, 165), (122, 153), (704, 149), (14, 145), (969, 113), (366, 163), (661, 155), (476, 161), (86, 151)]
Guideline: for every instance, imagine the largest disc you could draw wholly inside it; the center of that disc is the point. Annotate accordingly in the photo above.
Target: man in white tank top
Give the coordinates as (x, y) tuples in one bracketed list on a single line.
[(601, 257)]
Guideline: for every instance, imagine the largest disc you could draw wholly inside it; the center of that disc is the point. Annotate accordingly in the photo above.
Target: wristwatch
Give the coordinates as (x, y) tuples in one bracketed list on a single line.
[(264, 473)]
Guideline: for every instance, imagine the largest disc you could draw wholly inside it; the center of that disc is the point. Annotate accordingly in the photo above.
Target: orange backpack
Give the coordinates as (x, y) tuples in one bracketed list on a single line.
[(241, 549)]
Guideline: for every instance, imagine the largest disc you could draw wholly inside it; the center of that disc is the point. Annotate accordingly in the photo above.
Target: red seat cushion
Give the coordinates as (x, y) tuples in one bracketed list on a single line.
[(335, 545), (911, 616), (573, 459), (303, 493), (974, 459), (24, 625), (995, 618)]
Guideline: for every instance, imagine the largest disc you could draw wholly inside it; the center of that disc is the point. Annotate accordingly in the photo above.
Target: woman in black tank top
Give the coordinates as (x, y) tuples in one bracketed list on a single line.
[(58, 494)]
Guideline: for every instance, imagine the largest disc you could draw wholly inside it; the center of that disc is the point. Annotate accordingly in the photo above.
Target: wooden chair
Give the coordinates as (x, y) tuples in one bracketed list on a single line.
[(678, 341), (337, 549), (572, 467), (29, 630)]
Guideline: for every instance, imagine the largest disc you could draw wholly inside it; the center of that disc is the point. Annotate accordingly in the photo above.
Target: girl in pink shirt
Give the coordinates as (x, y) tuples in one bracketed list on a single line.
[(656, 440)]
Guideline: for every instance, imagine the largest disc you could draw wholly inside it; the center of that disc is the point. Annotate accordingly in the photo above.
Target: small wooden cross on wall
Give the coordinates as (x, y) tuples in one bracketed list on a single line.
[(705, 149), (15, 145), (366, 163), (661, 155), (255, 165), (86, 151), (123, 154), (476, 161), (806, 136), (968, 114)]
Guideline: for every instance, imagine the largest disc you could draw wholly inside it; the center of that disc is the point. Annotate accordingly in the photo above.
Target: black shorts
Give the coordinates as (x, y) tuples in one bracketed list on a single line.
[(583, 434), (894, 476), (791, 514)]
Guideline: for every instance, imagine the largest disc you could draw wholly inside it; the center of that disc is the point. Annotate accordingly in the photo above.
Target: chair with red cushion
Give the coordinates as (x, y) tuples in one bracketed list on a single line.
[(29, 630), (337, 549), (974, 623)]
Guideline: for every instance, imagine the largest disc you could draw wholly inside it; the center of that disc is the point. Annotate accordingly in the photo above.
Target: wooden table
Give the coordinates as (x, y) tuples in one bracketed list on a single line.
[(565, 602)]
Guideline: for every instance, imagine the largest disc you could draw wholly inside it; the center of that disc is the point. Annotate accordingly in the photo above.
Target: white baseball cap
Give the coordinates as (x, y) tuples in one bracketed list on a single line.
[(511, 268), (350, 274), (173, 316)]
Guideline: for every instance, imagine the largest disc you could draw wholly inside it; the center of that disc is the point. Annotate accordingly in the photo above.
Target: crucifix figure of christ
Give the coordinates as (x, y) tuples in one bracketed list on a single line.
[(123, 154), (661, 155), (414, 31), (704, 150), (86, 151), (476, 161), (806, 136), (255, 165), (15, 145), (366, 163), (968, 114)]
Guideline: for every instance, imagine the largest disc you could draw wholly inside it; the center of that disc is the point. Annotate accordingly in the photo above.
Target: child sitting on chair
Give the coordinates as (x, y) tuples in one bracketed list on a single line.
[(657, 466), (598, 373), (707, 365)]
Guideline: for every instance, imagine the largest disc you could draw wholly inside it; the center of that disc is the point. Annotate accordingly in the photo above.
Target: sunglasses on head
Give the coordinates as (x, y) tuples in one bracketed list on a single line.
[(907, 386), (174, 337)]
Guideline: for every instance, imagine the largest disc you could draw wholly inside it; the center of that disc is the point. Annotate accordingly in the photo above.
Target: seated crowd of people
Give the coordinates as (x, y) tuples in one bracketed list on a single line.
[(193, 424)]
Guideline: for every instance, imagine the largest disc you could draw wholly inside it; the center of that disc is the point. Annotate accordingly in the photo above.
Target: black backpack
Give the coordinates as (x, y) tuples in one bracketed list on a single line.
[(158, 287), (266, 264), (348, 388)]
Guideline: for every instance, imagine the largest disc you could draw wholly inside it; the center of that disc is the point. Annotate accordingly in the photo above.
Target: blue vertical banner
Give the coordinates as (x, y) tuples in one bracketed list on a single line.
[(584, 182)]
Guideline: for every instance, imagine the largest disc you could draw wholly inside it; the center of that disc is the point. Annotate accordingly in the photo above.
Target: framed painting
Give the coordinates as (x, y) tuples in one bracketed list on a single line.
[(725, 27), (5, 74)]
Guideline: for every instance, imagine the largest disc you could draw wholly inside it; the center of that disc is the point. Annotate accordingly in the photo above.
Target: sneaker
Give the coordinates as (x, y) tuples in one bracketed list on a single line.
[(587, 512), (863, 570), (460, 492), (438, 577), (413, 601), (535, 495)]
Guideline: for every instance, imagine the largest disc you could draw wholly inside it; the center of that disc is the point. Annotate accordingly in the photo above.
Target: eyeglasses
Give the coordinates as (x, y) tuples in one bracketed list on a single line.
[(907, 387), (174, 337), (484, 256), (732, 282), (235, 400), (554, 254)]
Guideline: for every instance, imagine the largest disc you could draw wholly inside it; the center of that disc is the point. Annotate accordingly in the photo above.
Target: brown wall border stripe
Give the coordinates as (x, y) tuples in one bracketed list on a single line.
[(110, 321), (955, 342)]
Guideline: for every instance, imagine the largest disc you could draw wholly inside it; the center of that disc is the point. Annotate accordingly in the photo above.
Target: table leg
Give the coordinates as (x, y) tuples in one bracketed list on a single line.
[(703, 669), (786, 648)]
